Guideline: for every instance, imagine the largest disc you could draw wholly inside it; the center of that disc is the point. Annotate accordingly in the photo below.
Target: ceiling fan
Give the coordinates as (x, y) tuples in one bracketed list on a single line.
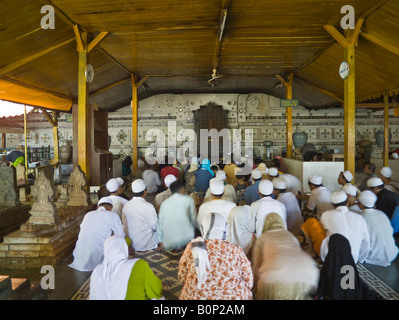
[(215, 76)]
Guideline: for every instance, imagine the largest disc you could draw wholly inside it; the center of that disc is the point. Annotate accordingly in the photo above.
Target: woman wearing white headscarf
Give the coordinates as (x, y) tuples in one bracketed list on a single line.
[(241, 227), (282, 270), (212, 268), (121, 278)]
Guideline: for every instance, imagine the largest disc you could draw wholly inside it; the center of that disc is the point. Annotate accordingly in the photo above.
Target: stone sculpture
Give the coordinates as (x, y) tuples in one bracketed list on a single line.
[(78, 196)]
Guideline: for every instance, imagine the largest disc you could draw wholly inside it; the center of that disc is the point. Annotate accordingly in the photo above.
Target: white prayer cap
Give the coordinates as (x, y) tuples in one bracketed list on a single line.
[(386, 172), (21, 143), (368, 198), (395, 155), (265, 187), (347, 175), (104, 200), (112, 185), (169, 179), (216, 187), (138, 186), (279, 183), (374, 182), (350, 189), (221, 175), (273, 172), (315, 179), (256, 174), (338, 197), (121, 181), (194, 160)]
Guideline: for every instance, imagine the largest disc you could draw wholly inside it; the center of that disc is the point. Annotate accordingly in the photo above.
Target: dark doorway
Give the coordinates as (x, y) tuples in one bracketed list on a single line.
[(211, 116)]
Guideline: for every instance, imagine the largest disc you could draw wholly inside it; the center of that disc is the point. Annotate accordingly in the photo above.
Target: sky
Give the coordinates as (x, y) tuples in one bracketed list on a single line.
[(10, 109)]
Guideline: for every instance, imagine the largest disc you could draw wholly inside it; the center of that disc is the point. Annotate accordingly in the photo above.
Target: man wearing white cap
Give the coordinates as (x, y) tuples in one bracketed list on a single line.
[(319, 199), (351, 191), (387, 201), (140, 219), (386, 177), (176, 226), (294, 185), (229, 192), (216, 204), (95, 228), (383, 249), (113, 186), (294, 214), (349, 224), (251, 192), (266, 205), (345, 177), (161, 197)]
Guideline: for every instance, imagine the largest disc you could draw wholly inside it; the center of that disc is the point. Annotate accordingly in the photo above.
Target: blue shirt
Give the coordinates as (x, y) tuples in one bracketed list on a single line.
[(251, 193), (202, 180)]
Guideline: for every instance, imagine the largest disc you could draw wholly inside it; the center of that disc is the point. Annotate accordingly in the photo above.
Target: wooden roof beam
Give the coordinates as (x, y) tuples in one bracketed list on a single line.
[(391, 48), (20, 63)]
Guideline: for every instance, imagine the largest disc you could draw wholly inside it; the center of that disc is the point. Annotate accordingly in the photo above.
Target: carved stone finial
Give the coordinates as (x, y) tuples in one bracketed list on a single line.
[(78, 196), (43, 208)]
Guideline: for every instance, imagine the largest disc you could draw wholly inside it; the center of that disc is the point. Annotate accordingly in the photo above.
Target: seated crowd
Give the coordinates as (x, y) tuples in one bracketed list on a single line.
[(242, 235)]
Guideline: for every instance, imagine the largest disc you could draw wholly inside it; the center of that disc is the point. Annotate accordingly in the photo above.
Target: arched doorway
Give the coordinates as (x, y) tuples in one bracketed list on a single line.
[(211, 116)]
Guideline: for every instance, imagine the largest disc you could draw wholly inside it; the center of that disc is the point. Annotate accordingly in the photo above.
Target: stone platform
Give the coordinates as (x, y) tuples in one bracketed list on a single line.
[(33, 246), (11, 218)]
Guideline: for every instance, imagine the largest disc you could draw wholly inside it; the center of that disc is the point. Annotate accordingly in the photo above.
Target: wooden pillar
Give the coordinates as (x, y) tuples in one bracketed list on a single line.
[(83, 110), (26, 144), (350, 111), (386, 129), (135, 105), (55, 136), (288, 94)]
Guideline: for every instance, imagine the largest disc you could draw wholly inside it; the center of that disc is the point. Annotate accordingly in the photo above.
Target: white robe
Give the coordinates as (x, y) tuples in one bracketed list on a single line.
[(117, 204), (218, 206), (95, 228), (176, 224), (349, 224), (140, 222), (240, 227), (260, 210), (294, 214), (383, 249)]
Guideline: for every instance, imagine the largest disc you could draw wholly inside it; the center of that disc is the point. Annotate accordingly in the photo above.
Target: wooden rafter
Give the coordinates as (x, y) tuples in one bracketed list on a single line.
[(19, 63)]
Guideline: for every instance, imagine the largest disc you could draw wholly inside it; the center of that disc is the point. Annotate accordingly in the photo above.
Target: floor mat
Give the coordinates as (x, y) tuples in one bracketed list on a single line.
[(165, 266)]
